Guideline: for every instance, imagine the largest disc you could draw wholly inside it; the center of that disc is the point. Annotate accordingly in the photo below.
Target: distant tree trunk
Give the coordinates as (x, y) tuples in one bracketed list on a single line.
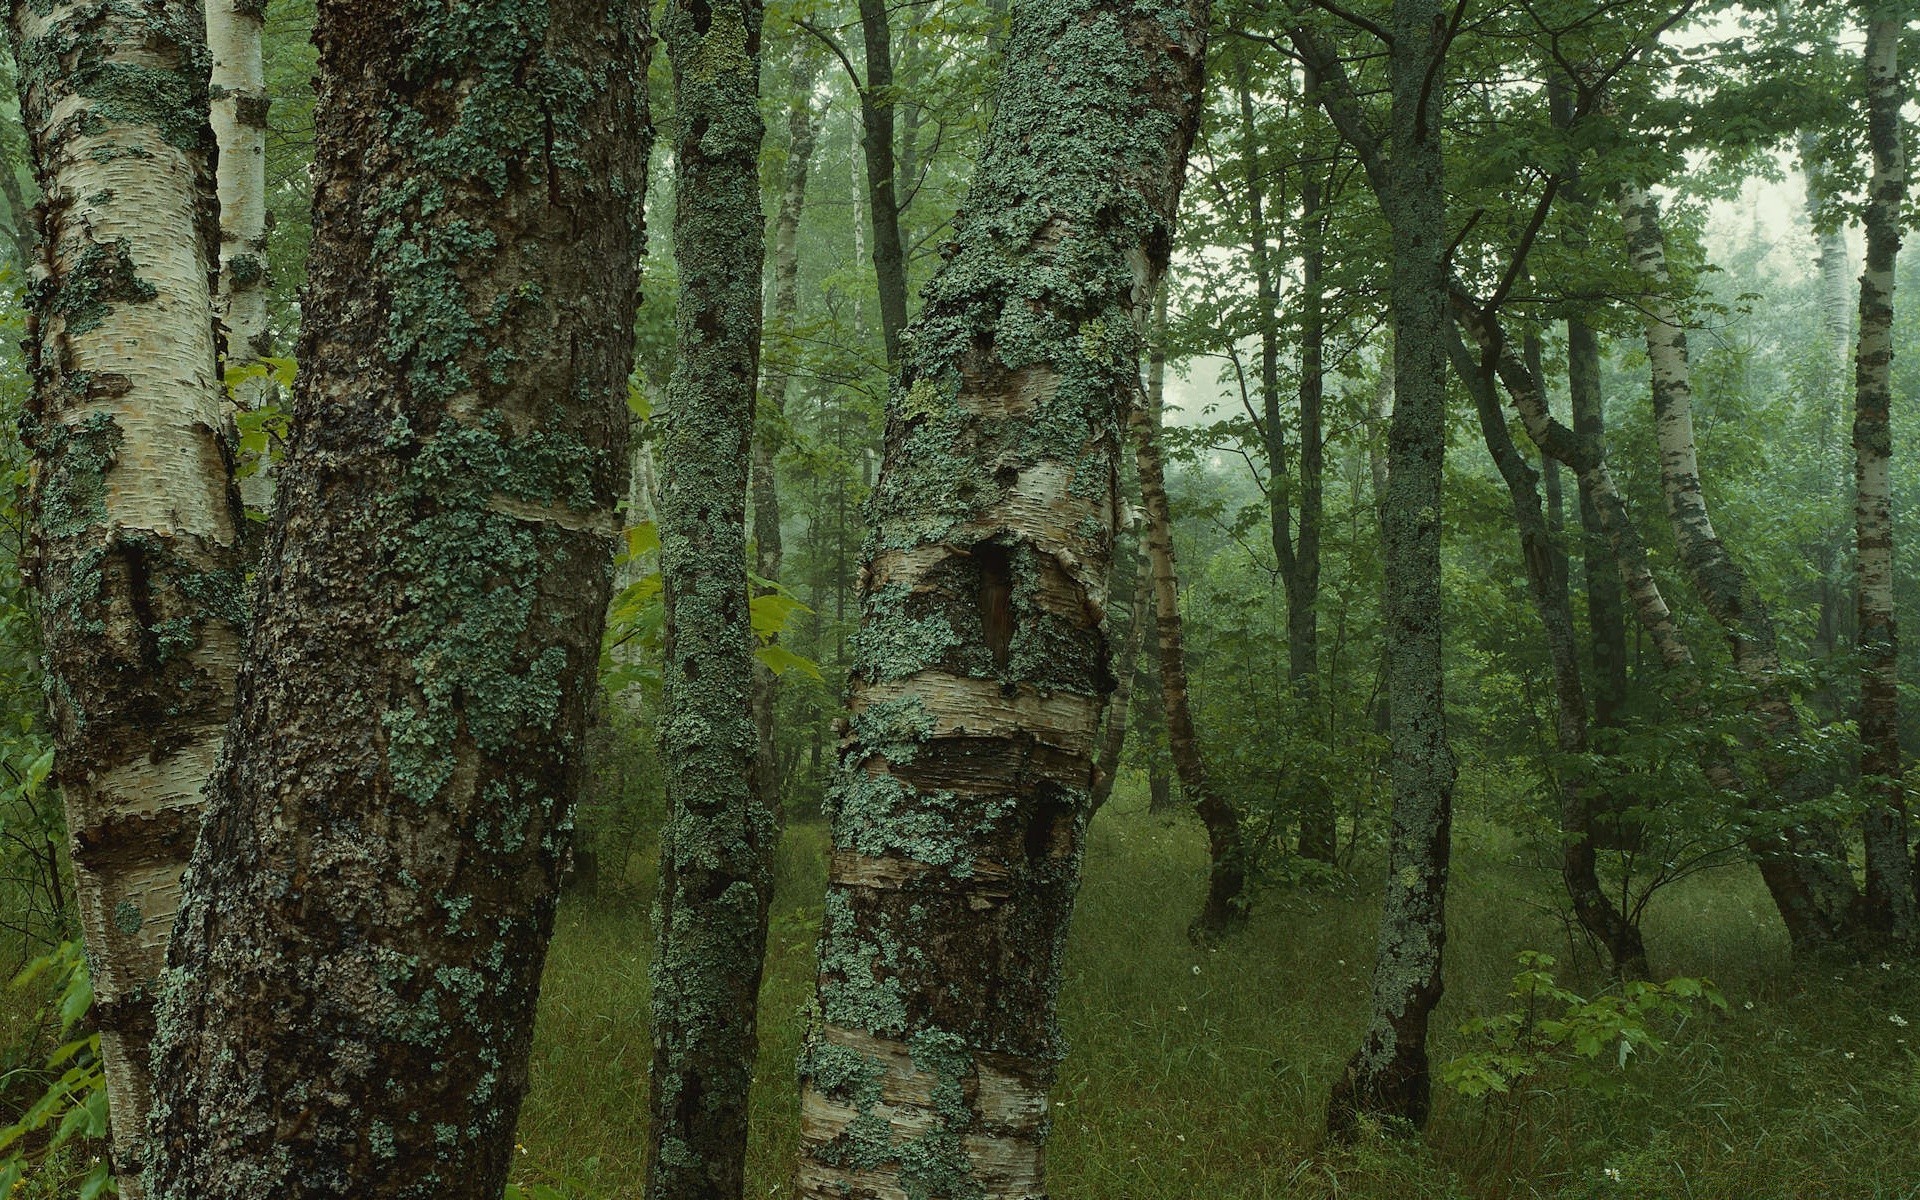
[(1113, 735), (239, 92), (1837, 307), (981, 664), (1389, 1076), (134, 550), (25, 242), (1890, 892), (883, 202), (1804, 865), (1225, 907), (803, 127), (1318, 837), (1546, 583), (352, 982), (716, 848), (1606, 620)]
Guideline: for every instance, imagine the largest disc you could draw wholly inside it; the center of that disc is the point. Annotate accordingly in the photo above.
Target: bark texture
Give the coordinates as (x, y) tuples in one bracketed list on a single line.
[(981, 664), (1803, 863), (883, 197), (239, 108), (1389, 1076), (351, 986), (134, 550), (1224, 908), (716, 848), (1889, 892), (1113, 734)]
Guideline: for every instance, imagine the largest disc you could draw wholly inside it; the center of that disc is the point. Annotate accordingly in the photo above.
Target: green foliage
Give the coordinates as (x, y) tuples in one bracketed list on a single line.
[(74, 1099)]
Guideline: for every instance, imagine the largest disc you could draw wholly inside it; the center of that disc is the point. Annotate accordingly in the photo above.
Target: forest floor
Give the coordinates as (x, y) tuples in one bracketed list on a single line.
[(1195, 1075)]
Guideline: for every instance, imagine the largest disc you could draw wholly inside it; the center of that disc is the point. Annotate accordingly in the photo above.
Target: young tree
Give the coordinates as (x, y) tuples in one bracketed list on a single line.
[(135, 521), (716, 849), (981, 659), (239, 104), (351, 986)]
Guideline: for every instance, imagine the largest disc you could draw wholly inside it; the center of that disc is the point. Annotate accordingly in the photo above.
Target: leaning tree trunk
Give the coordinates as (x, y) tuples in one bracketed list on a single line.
[(1889, 892), (1224, 908), (716, 848), (134, 553), (1388, 1077), (981, 666), (769, 548), (1802, 862), (352, 981)]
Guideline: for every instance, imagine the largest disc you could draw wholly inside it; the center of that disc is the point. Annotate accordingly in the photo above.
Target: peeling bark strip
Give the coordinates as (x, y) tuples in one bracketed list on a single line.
[(351, 987), (1804, 865), (980, 667), (1889, 895), (239, 99), (1388, 1076), (135, 521), (716, 848)]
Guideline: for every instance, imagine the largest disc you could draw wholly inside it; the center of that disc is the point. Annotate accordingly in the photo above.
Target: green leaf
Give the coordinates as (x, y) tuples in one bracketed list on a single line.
[(780, 660), (771, 612)]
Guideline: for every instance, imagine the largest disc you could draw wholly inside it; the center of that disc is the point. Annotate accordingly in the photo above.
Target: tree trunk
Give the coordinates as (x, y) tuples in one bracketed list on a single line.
[(1113, 735), (352, 981), (1804, 864), (1546, 583), (239, 109), (981, 664), (803, 127), (883, 203), (1318, 838), (1225, 906), (134, 551), (1606, 620), (1388, 1077), (1890, 892), (716, 848)]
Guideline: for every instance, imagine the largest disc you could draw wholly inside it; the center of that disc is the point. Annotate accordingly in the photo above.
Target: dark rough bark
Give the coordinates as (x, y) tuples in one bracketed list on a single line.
[(1224, 908), (134, 552), (1389, 1077), (769, 551), (1546, 584), (883, 196), (716, 848), (352, 982), (981, 663), (1606, 619), (1890, 900)]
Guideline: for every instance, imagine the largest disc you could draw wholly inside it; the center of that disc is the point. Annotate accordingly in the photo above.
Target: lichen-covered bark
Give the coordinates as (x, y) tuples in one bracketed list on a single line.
[(239, 108), (1389, 1077), (135, 523), (351, 986), (803, 128), (1224, 908), (980, 666), (1803, 863), (716, 848), (1889, 892)]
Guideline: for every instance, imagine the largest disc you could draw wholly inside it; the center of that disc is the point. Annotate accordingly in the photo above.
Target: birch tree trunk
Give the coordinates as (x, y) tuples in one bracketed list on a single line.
[(1803, 863), (981, 664), (351, 985), (134, 551), (1224, 908), (239, 108), (1889, 893), (1388, 1076), (716, 848), (769, 550)]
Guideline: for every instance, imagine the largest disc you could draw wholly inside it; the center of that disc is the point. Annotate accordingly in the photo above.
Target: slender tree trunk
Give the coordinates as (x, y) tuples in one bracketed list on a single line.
[(1113, 735), (134, 550), (1804, 864), (1606, 620), (803, 127), (883, 203), (716, 848), (1318, 837), (1225, 906), (1890, 896), (352, 982), (24, 239), (1389, 1077), (981, 664), (1546, 583), (239, 91)]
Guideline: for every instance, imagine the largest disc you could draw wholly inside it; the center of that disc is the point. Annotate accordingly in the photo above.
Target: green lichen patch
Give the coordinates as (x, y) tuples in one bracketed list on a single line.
[(72, 494), (101, 277)]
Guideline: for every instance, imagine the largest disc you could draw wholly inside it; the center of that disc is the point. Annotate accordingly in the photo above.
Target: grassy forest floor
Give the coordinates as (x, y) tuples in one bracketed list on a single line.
[(1195, 1075)]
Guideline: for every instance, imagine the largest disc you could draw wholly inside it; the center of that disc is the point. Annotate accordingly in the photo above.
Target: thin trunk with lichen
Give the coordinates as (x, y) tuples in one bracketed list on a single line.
[(1224, 908), (769, 432), (1388, 1077), (134, 550), (1126, 666), (352, 980), (716, 847), (981, 663), (1801, 858), (1889, 901), (239, 108)]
